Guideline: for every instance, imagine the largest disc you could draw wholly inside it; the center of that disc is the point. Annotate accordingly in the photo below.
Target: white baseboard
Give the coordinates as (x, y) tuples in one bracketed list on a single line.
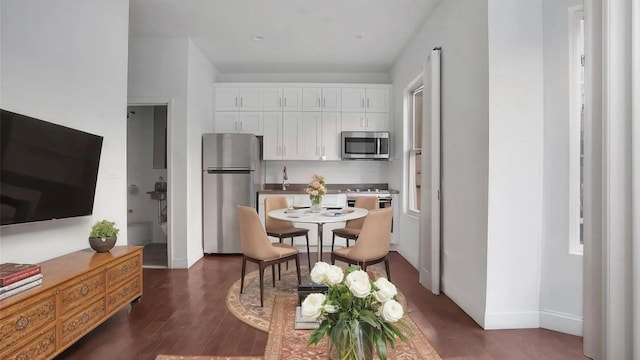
[(467, 305), (512, 320), (561, 322), (180, 264)]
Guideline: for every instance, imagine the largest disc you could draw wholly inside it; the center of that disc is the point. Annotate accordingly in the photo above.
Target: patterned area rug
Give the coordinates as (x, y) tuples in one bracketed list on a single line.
[(246, 306), (179, 357)]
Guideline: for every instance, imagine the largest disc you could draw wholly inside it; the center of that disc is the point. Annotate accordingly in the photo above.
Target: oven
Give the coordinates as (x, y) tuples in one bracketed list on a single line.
[(384, 201)]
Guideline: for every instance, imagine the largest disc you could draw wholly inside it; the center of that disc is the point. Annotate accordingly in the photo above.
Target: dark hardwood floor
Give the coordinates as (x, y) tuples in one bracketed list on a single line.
[(183, 312)]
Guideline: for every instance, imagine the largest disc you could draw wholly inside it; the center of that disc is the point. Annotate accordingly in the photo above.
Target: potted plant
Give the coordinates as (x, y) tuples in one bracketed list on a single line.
[(103, 236)]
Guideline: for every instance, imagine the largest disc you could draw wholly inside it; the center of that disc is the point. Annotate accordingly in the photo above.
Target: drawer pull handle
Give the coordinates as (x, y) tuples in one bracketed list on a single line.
[(85, 318), (84, 290), (22, 356), (22, 323)]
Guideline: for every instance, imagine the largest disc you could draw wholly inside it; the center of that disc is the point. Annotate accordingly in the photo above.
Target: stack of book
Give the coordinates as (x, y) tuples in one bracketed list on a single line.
[(16, 278)]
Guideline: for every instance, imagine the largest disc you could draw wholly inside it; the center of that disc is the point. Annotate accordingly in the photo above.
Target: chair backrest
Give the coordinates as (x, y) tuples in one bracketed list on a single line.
[(275, 203), (365, 202), (375, 236), (253, 239)]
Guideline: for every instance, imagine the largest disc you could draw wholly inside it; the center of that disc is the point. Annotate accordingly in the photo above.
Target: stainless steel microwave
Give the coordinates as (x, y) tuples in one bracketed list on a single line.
[(359, 145)]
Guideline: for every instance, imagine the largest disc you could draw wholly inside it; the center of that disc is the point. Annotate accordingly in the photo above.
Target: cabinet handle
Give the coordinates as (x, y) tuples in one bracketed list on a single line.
[(367, 122), (284, 151), (235, 126), (240, 102), (241, 126), (236, 101), (362, 122), (323, 151), (318, 102), (367, 103), (324, 102), (363, 103), (317, 150), (285, 102), (280, 102), (278, 151)]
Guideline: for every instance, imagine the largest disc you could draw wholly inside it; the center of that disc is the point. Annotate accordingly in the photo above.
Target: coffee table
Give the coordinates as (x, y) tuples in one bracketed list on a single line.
[(321, 218)]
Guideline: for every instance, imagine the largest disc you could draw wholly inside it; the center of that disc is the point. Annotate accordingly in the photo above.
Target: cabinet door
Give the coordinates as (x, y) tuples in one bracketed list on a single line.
[(377, 122), (353, 121), (227, 99), (272, 99), (330, 136), (250, 99), (331, 99), (292, 99), (377, 100), (353, 99), (225, 122), (308, 144), (311, 99), (272, 136), (290, 134), (250, 123)]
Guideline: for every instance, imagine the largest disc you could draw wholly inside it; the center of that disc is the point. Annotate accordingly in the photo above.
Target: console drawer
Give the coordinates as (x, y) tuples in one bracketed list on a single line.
[(80, 323), (81, 291), (123, 294), (42, 347), (24, 319), (123, 271)]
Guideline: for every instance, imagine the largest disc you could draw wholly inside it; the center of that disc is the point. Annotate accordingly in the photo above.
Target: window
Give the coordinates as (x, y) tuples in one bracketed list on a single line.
[(415, 148), (576, 128)]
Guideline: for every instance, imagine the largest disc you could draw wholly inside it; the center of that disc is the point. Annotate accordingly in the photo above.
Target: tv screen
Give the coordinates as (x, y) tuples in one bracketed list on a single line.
[(47, 171)]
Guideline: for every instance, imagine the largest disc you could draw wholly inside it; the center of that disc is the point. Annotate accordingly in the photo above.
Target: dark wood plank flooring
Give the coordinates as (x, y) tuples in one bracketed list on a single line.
[(183, 312)]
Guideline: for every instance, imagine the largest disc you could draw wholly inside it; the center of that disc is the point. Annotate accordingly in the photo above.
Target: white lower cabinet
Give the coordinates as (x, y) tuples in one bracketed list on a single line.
[(238, 122)]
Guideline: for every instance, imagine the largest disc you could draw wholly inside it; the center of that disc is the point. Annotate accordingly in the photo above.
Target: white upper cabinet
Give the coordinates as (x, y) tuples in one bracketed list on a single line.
[(308, 134), (238, 122), (238, 99), (365, 121), (365, 100), (331, 99), (353, 99), (312, 99), (272, 99), (329, 142), (292, 99), (272, 136)]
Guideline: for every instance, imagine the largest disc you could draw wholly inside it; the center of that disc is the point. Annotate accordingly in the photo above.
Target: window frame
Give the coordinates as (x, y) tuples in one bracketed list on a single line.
[(411, 151)]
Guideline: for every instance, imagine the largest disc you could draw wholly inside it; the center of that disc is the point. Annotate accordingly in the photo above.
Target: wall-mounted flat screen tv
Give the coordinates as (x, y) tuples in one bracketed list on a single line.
[(47, 171)]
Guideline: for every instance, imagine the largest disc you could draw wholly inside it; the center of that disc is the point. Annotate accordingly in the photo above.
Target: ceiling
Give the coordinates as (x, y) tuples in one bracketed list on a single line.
[(298, 36)]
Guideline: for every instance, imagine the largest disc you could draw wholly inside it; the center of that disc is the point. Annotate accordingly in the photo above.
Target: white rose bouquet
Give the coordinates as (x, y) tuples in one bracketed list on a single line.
[(354, 303)]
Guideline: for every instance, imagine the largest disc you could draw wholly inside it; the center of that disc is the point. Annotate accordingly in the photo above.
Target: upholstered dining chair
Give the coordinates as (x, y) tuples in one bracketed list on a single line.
[(257, 248), (351, 230), (372, 246), (282, 229)]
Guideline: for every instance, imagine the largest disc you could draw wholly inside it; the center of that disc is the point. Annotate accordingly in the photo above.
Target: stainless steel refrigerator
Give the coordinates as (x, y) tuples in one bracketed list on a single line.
[(230, 176)]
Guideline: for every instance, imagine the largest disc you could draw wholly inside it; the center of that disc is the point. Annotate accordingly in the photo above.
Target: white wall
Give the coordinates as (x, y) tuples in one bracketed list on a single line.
[(174, 70), (140, 172), (66, 62), (158, 71), (561, 287), (515, 163), (200, 77), (460, 28), (334, 172)]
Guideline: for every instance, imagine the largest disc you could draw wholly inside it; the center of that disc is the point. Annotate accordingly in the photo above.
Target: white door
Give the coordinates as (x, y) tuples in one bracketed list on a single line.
[(272, 136), (430, 241)]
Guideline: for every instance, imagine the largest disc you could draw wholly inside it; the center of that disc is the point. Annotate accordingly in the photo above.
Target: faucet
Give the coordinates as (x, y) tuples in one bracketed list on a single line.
[(285, 179)]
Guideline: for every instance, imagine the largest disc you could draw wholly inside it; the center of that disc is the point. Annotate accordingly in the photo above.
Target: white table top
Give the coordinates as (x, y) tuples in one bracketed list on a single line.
[(325, 216)]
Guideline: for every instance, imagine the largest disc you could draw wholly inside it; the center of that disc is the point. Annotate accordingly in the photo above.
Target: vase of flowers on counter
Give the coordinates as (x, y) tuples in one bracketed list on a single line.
[(316, 189), (356, 314)]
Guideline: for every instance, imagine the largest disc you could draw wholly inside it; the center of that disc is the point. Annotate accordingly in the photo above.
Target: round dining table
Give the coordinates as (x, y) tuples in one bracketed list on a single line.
[(319, 218)]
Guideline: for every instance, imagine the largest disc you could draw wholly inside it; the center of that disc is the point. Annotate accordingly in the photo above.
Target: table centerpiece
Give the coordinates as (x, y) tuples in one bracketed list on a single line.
[(316, 189)]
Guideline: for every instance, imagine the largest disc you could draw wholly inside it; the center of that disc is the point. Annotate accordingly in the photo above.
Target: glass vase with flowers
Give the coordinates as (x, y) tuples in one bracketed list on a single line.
[(316, 189)]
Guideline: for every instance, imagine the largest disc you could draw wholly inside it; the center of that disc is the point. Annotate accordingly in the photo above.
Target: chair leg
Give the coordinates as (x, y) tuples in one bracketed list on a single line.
[(308, 253), (347, 241), (273, 275), (287, 266), (244, 265), (298, 269), (386, 266), (261, 281), (333, 241)]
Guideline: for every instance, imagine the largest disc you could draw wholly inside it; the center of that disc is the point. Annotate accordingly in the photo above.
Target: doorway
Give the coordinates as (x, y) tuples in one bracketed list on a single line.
[(147, 175)]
